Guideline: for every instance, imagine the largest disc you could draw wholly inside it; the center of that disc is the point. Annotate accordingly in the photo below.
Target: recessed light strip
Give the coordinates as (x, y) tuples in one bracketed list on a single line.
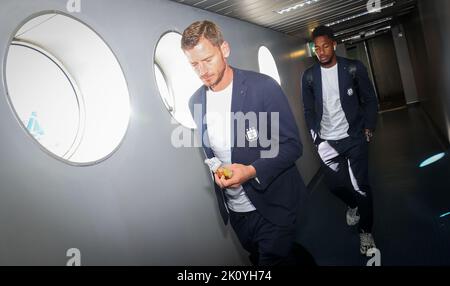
[(358, 15), (296, 6), (365, 34)]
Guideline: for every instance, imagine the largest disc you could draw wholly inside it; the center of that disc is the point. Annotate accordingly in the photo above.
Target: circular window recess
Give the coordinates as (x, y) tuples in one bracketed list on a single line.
[(267, 64), (175, 78), (164, 91), (67, 89)]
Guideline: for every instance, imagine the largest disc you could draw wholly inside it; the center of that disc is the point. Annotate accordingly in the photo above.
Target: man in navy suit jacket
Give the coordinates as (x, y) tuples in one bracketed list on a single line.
[(340, 109), (262, 197)]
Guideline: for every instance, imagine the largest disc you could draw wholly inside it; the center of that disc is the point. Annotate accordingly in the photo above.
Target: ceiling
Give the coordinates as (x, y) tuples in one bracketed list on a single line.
[(301, 21)]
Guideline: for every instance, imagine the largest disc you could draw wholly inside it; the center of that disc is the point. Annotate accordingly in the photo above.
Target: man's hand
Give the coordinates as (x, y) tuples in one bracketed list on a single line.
[(241, 174), (369, 134)]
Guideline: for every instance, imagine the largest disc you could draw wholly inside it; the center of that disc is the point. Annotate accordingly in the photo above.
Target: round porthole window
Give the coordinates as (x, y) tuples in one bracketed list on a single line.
[(267, 64), (175, 78), (166, 94), (67, 89)]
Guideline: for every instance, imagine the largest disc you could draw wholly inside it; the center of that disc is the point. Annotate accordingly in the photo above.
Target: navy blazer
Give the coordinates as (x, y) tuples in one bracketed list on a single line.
[(277, 192), (358, 98)]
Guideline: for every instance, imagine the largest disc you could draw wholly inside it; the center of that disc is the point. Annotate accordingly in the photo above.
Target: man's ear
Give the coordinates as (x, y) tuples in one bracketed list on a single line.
[(225, 48)]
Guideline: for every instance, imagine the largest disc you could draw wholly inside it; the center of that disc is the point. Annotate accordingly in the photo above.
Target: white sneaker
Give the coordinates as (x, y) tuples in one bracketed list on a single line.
[(352, 216), (366, 242)]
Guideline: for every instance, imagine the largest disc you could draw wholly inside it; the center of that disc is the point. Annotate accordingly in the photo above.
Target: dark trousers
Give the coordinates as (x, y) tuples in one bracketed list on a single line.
[(347, 176), (267, 243)]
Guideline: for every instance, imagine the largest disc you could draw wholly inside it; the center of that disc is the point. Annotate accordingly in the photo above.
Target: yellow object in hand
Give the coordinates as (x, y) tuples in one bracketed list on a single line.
[(224, 172)]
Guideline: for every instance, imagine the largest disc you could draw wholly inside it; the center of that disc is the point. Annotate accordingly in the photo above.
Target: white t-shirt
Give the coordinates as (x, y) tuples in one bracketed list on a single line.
[(218, 120), (334, 124)]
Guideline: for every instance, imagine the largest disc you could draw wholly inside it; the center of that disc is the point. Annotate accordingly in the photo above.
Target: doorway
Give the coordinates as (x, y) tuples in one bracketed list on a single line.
[(379, 56)]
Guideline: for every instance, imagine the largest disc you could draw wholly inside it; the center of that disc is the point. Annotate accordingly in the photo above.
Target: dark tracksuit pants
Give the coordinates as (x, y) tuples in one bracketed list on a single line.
[(346, 174), (267, 243)]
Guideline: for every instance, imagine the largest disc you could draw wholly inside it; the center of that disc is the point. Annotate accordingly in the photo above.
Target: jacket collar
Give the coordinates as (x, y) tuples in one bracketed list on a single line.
[(239, 90)]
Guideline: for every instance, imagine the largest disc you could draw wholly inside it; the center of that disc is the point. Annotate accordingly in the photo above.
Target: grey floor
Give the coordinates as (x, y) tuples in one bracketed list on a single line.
[(408, 200)]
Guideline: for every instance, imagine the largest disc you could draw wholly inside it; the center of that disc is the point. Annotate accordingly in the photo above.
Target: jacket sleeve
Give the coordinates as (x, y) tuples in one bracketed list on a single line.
[(287, 139), (369, 101), (308, 106)]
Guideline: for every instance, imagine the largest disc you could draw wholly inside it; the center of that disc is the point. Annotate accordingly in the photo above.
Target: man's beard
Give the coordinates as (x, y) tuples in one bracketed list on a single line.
[(327, 62), (219, 78)]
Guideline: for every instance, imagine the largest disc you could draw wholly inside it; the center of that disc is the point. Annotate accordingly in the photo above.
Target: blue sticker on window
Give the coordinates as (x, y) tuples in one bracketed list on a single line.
[(34, 127)]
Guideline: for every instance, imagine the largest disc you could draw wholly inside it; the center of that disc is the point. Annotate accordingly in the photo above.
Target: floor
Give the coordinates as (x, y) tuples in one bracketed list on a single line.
[(408, 200)]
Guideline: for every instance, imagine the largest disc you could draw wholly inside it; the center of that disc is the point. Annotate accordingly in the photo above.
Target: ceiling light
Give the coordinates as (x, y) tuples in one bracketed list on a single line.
[(358, 15), (296, 6), (364, 34), (353, 29)]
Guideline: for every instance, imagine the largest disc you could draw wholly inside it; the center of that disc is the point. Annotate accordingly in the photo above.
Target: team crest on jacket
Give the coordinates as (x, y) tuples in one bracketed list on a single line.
[(251, 134), (350, 91)]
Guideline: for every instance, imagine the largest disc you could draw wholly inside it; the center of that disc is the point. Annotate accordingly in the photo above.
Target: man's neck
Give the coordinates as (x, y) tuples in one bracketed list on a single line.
[(226, 80)]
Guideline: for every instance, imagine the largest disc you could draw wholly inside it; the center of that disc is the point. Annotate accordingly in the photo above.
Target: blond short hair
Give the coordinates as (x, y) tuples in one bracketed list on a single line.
[(201, 29)]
